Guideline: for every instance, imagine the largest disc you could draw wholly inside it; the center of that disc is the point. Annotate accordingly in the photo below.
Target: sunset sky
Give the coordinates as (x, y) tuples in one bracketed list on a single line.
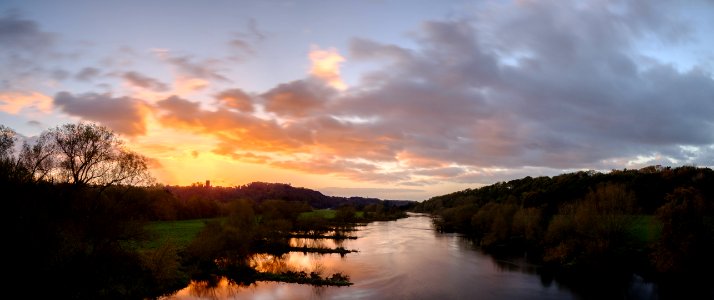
[(388, 99)]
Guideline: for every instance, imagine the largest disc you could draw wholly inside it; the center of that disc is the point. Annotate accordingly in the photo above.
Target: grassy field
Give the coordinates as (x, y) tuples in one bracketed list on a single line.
[(178, 232), (326, 214), (322, 213), (182, 232)]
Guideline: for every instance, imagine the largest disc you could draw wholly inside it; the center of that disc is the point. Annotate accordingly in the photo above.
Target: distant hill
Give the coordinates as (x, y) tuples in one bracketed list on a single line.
[(261, 191)]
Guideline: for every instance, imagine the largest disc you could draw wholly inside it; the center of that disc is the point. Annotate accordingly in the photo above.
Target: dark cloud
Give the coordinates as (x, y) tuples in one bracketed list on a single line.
[(298, 98), (364, 49), (20, 34), (236, 99), (124, 115), (24, 47), (139, 80), (544, 84), (87, 74)]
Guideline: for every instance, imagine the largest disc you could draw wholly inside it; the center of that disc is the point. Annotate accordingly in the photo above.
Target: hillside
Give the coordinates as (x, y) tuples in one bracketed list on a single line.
[(261, 191)]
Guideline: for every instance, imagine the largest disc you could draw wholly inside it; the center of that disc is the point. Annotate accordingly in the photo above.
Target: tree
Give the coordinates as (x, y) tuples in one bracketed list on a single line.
[(10, 170), (40, 158), (80, 154), (7, 142), (687, 238), (345, 213), (90, 154)]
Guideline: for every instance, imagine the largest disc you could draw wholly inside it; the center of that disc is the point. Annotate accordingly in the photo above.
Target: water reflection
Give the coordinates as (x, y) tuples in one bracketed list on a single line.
[(218, 288), (295, 261), (403, 259), (316, 243)]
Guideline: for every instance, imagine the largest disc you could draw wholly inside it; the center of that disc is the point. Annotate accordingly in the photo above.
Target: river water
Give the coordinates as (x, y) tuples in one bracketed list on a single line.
[(403, 259)]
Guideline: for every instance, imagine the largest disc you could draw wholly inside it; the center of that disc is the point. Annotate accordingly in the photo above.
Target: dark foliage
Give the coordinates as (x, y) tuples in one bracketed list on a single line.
[(656, 221)]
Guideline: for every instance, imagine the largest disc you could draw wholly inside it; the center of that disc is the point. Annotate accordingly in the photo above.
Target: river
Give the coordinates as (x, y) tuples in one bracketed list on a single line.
[(403, 259)]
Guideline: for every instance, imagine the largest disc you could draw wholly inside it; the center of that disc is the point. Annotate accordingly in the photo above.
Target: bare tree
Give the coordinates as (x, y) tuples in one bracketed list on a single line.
[(90, 154), (40, 158), (80, 154)]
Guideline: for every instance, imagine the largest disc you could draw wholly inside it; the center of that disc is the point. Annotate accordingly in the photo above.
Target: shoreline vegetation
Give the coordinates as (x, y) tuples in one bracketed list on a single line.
[(583, 227)]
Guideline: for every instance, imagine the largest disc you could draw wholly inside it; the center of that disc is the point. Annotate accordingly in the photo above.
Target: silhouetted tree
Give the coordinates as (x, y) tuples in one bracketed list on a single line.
[(39, 158), (92, 154)]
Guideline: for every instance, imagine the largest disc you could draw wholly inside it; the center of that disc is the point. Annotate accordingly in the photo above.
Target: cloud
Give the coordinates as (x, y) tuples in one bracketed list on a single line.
[(327, 165), (122, 114), (519, 88), (243, 45), (234, 129), (87, 74), (188, 67), (25, 46), (254, 31), (391, 193), (15, 102), (236, 99), (141, 81), (21, 34), (187, 85), (326, 66), (240, 49), (297, 99)]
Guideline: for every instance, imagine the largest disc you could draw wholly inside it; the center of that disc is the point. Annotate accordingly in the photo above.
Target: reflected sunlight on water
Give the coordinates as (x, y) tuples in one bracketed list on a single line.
[(403, 259)]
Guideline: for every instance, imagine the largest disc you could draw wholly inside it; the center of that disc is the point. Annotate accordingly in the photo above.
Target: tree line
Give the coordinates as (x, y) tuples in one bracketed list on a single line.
[(656, 221)]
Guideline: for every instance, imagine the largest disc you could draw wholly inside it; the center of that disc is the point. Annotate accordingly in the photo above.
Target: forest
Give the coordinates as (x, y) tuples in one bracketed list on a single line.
[(657, 222), (80, 206)]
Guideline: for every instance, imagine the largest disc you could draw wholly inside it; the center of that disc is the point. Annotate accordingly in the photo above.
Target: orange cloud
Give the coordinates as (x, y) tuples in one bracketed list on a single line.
[(14, 102), (243, 131), (236, 99), (188, 85), (411, 159), (326, 66)]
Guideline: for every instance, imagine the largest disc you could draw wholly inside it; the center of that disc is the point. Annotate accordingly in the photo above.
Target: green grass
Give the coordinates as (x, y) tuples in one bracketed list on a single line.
[(646, 228), (326, 214), (178, 232), (182, 232), (319, 213)]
